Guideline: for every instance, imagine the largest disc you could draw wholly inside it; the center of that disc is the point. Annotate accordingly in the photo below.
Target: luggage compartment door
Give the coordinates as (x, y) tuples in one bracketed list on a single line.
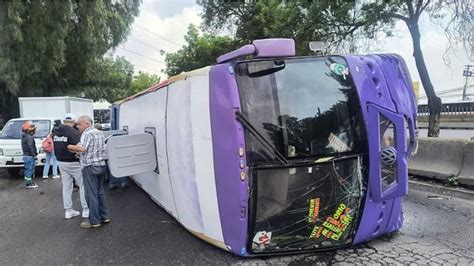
[(131, 154)]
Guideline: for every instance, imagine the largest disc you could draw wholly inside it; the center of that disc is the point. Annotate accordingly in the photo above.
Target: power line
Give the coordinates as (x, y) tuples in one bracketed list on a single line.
[(149, 45), (150, 58), (443, 92), (153, 71), (151, 32)]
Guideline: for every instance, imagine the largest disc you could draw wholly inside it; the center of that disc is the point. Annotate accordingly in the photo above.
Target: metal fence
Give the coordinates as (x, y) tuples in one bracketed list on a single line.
[(448, 110)]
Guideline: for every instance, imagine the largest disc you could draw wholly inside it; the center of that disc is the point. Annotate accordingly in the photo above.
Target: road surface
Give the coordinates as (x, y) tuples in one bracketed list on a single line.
[(438, 230)]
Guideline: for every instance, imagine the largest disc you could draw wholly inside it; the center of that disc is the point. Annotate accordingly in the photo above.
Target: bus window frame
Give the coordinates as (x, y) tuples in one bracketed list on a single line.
[(152, 131)]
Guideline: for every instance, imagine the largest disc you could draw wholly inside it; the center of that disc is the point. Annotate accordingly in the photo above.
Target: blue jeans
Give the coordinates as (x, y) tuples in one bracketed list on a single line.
[(113, 181), (30, 164), (93, 178), (50, 159)]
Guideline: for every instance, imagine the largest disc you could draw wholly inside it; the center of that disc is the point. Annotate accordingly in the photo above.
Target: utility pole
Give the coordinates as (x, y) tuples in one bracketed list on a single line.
[(467, 73)]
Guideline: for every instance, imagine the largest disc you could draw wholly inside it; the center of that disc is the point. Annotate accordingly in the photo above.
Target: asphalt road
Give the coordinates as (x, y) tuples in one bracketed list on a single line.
[(438, 230)]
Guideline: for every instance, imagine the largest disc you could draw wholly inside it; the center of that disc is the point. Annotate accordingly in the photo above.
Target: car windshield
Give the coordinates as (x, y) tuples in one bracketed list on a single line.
[(12, 129), (305, 107)]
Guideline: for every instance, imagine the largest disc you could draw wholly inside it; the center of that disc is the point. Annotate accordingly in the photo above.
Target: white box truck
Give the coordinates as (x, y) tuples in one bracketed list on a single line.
[(42, 111), (55, 107)]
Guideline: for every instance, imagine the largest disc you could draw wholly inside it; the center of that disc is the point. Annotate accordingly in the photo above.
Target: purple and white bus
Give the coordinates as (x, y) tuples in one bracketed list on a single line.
[(274, 154)]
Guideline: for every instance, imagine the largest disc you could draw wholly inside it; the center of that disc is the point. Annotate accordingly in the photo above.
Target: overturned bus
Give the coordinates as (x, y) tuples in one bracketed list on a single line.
[(276, 153)]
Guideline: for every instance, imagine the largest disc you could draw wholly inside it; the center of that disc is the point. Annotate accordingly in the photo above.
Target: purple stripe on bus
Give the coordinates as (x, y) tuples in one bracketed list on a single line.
[(227, 135)]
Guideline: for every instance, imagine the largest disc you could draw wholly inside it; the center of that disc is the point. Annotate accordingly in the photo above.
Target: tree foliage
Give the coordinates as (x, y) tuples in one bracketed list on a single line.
[(303, 21), (48, 48), (109, 79), (113, 79), (199, 51), (143, 81)]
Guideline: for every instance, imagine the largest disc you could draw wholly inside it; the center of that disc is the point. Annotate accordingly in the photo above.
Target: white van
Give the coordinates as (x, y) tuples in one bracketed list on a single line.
[(42, 111), (11, 155)]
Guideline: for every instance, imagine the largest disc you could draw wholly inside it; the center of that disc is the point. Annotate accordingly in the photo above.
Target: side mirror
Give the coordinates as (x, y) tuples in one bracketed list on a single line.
[(317, 47)]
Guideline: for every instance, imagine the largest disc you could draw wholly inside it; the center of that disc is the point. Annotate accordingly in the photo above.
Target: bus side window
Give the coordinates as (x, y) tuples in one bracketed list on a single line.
[(152, 130)]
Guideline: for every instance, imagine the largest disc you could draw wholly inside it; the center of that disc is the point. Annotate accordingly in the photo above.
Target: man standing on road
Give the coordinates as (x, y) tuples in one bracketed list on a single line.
[(69, 166), (28, 147), (92, 150)]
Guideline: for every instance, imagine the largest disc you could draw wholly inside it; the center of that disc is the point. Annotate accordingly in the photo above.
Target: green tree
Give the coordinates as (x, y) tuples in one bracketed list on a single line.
[(143, 81), (303, 21), (343, 23), (113, 79), (109, 79), (199, 51), (48, 48)]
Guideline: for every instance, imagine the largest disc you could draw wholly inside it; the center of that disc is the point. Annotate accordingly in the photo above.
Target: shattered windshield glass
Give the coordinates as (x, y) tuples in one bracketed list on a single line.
[(306, 207)]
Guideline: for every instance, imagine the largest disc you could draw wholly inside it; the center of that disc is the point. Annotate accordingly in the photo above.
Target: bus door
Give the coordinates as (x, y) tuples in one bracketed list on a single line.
[(131, 154)]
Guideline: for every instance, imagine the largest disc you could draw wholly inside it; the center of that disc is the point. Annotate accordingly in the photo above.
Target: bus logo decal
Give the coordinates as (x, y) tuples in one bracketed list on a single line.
[(388, 156)]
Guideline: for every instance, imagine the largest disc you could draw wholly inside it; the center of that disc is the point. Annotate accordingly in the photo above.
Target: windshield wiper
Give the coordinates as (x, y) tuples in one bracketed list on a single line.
[(266, 143)]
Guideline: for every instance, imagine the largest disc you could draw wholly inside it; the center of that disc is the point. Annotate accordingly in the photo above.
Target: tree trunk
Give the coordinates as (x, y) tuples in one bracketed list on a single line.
[(9, 105), (434, 102)]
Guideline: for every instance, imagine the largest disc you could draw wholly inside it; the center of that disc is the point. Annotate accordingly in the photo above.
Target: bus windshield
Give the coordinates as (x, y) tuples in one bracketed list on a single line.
[(305, 107), (12, 129)]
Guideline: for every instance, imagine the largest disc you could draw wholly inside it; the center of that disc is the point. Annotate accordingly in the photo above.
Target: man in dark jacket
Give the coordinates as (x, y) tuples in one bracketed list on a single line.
[(69, 165), (28, 147)]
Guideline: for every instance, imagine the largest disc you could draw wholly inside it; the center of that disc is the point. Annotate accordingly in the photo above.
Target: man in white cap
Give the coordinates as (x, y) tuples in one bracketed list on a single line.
[(69, 166)]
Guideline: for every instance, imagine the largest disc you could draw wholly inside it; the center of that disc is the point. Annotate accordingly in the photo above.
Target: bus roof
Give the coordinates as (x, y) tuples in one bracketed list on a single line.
[(182, 76)]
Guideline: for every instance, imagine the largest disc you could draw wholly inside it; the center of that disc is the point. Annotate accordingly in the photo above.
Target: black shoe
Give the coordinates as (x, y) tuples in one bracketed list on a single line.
[(87, 225), (31, 185)]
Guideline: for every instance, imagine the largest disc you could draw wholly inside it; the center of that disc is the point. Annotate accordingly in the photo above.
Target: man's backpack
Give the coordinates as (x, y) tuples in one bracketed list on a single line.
[(47, 144)]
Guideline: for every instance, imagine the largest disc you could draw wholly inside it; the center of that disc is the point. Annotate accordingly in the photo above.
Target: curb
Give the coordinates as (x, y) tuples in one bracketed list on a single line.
[(441, 159), (437, 188)]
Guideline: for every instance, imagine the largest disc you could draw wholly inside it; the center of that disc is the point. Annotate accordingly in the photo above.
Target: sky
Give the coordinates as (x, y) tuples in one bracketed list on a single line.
[(162, 24)]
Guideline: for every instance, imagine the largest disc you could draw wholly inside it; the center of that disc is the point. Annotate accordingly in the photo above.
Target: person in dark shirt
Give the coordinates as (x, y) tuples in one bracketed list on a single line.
[(69, 166), (28, 147)]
